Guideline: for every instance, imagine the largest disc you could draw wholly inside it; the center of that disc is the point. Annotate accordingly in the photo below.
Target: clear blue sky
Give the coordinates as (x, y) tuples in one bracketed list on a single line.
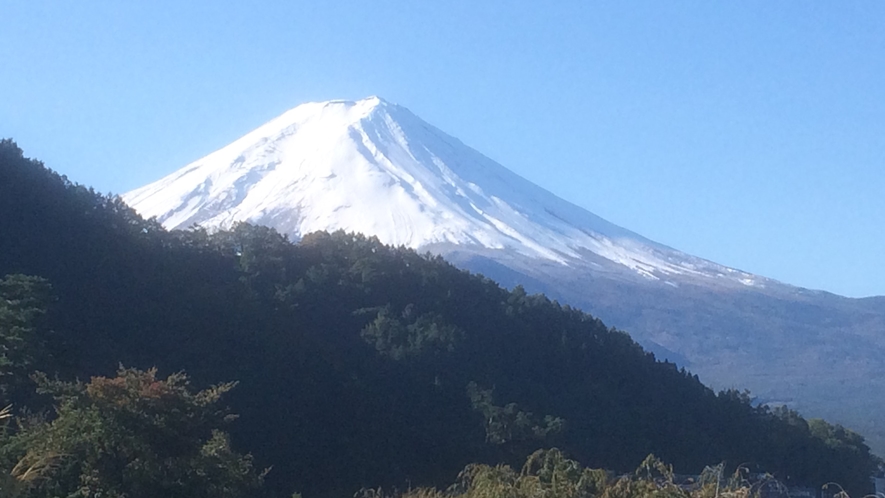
[(750, 133)]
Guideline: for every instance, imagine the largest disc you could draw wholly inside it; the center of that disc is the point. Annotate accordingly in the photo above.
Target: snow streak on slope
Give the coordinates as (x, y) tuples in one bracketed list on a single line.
[(374, 167)]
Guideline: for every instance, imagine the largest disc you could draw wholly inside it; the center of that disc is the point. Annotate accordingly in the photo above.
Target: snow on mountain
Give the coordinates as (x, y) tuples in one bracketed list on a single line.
[(373, 167)]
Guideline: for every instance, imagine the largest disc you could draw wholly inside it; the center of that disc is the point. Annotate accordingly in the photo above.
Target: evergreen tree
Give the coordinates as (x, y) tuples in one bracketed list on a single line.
[(23, 301)]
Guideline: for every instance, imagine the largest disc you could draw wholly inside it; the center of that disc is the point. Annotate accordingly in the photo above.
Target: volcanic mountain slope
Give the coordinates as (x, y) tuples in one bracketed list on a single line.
[(374, 167)]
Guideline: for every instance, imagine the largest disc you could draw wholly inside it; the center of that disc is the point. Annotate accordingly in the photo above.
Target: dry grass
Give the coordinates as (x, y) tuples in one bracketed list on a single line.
[(548, 474)]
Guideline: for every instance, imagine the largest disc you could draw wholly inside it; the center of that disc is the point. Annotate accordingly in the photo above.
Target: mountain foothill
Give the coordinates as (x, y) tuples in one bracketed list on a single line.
[(139, 361)]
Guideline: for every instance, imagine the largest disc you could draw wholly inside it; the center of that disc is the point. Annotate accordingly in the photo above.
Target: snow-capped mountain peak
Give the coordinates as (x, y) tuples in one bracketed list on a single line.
[(373, 167)]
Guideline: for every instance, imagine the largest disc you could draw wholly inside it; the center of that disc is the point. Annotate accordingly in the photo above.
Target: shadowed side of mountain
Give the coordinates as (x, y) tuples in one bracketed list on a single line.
[(821, 352)]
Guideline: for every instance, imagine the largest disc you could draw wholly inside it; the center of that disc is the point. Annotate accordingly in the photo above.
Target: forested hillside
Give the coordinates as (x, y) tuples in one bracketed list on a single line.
[(361, 365)]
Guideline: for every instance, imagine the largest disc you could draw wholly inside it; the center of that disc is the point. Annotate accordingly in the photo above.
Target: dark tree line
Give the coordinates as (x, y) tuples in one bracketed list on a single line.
[(361, 364)]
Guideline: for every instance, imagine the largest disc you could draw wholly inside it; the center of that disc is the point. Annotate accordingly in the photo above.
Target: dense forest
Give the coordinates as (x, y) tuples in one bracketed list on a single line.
[(356, 365)]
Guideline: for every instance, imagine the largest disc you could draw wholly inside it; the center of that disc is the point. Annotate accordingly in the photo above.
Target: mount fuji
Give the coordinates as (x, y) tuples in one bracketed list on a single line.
[(373, 167)]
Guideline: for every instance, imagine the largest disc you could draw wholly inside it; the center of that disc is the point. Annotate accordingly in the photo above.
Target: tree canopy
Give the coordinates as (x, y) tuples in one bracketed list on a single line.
[(358, 364)]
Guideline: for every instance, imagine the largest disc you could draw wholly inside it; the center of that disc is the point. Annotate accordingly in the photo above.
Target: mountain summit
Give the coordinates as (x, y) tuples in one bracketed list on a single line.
[(373, 167)]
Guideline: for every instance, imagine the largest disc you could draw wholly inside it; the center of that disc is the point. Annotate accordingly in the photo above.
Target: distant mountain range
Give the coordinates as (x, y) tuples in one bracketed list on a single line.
[(373, 167)]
